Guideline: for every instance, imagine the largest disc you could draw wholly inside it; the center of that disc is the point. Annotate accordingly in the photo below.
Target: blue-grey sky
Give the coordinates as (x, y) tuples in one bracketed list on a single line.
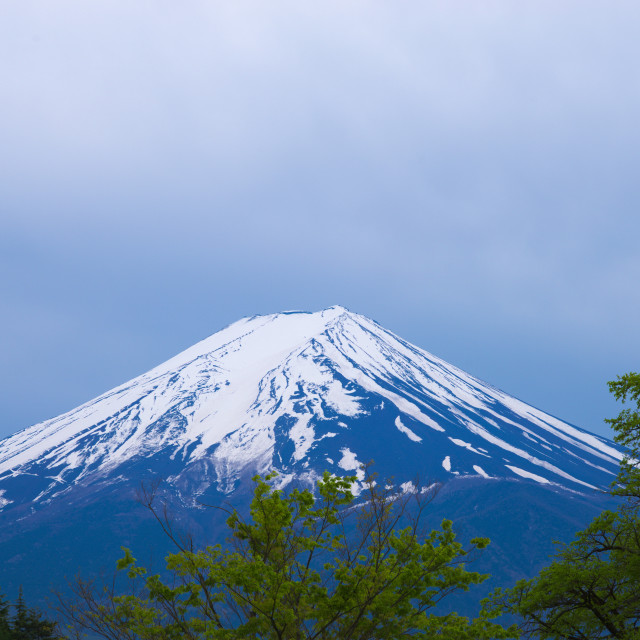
[(466, 173)]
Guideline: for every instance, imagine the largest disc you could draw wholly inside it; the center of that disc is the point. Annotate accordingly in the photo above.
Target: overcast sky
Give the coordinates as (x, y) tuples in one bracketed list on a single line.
[(465, 173)]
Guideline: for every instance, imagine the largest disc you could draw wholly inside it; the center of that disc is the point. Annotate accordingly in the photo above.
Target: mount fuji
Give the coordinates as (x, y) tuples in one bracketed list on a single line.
[(298, 393)]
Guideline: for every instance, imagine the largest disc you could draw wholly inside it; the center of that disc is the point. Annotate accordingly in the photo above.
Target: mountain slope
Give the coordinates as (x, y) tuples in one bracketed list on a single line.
[(295, 391), (300, 393)]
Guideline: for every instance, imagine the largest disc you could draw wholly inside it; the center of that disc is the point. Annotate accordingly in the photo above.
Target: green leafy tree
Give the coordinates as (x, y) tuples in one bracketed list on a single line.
[(301, 566), (626, 426), (592, 589)]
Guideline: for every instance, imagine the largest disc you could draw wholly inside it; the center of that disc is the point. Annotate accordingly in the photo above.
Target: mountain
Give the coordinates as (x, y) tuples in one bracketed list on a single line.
[(299, 393)]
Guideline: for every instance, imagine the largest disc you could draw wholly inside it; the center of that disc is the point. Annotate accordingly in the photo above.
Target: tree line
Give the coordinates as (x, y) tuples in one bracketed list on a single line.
[(18, 622)]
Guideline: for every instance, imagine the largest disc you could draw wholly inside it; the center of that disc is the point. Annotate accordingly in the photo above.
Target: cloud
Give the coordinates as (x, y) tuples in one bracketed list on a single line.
[(467, 160)]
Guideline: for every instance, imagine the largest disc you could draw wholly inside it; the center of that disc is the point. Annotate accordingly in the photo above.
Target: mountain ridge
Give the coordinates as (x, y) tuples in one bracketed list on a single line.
[(286, 377), (298, 393)]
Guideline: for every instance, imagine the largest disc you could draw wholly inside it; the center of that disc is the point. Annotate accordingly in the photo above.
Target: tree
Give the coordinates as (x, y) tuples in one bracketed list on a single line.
[(301, 566), (592, 589), (20, 622), (26, 624), (5, 628), (627, 429)]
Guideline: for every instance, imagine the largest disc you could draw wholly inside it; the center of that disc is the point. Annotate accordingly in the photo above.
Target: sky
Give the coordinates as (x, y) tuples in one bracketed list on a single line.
[(465, 173)]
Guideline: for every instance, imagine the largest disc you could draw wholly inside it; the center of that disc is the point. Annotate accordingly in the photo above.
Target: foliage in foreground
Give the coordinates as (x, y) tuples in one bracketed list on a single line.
[(302, 566), (592, 590), (627, 429)]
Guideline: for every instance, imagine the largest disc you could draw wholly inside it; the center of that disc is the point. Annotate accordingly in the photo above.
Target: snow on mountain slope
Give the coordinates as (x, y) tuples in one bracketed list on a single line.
[(303, 392)]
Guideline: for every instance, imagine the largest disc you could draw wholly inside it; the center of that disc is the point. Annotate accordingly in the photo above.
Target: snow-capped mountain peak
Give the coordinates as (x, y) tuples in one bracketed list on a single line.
[(303, 392)]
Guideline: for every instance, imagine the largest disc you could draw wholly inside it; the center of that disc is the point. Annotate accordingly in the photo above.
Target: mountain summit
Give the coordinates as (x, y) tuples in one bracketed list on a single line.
[(300, 393)]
